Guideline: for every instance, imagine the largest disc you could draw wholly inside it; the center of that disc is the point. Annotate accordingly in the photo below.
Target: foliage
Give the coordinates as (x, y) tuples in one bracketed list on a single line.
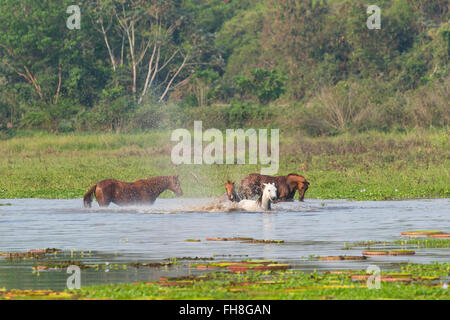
[(135, 57), (264, 84)]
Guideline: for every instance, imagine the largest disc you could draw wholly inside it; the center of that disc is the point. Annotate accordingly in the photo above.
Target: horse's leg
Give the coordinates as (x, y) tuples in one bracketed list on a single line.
[(241, 191), (102, 199), (246, 192), (145, 197), (147, 201), (301, 194)]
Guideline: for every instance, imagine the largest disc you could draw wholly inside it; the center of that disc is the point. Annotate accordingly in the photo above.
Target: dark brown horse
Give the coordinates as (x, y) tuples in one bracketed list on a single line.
[(126, 193), (253, 184)]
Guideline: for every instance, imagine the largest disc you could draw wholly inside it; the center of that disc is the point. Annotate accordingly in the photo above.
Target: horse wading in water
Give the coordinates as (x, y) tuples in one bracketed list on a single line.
[(299, 183), (231, 193), (264, 202), (253, 184), (129, 193)]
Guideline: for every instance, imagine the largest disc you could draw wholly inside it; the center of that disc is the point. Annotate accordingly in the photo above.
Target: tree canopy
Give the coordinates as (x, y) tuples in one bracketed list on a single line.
[(134, 63)]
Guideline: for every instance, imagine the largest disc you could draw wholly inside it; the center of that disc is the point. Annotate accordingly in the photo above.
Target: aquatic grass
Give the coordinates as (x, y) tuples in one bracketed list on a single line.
[(420, 233), (409, 281), (424, 282), (411, 243)]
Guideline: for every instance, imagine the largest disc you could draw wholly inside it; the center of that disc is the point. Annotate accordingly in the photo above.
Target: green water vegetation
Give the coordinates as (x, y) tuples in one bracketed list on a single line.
[(31, 254), (230, 239), (246, 240), (400, 245), (338, 258), (51, 259), (242, 266), (366, 166), (420, 233), (403, 244), (414, 282), (238, 279)]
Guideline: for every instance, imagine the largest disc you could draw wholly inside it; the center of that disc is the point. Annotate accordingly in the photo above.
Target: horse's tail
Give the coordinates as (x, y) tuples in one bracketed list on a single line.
[(88, 196)]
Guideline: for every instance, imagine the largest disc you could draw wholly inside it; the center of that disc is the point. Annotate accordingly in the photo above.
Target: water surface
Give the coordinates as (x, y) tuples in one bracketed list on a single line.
[(154, 233)]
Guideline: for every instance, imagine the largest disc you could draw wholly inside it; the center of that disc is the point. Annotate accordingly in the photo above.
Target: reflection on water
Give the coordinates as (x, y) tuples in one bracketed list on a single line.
[(268, 233), (126, 234)]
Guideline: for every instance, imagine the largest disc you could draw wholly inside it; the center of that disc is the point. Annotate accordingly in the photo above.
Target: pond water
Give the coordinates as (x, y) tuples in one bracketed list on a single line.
[(154, 233)]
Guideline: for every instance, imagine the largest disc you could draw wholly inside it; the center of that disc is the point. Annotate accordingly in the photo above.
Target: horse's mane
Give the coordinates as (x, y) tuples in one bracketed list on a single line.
[(158, 184), (259, 201), (297, 175), (294, 174), (161, 178)]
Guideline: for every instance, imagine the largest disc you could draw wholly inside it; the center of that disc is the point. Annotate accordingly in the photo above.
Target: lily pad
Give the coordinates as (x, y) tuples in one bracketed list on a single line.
[(441, 235), (375, 253), (420, 233), (402, 253), (384, 278), (229, 239), (336, 258), (259, 267), (264, 241)]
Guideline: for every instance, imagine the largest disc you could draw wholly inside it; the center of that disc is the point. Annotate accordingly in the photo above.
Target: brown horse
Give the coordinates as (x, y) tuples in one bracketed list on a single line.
[(231, 192), (301, 185), (253, 184), (126, 193)]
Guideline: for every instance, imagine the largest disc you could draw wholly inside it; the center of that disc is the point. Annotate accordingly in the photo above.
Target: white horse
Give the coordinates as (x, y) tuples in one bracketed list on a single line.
[(263, 203)]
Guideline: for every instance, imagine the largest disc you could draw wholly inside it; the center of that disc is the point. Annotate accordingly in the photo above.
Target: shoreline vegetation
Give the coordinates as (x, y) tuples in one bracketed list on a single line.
[(216, 278), (408, 281), (414, 281), (364, 166)]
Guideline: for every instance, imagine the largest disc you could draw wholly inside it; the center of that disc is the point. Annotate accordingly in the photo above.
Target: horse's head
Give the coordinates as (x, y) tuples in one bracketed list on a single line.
[(175, 186), (231, 193), (299, 183), (270, 191), (302, 187)]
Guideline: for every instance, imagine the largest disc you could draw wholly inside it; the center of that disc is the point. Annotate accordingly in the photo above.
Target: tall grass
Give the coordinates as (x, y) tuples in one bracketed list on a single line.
[(371, 165)]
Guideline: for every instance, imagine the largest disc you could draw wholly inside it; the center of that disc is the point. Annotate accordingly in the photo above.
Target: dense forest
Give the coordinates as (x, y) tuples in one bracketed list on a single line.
[(309, 65)]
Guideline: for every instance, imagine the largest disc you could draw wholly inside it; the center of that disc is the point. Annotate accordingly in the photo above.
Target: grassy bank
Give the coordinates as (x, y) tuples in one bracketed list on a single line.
[(369, 166)]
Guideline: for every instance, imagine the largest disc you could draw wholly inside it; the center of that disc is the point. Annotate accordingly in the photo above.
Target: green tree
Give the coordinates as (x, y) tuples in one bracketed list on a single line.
[(264, 84), (45, 62)]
